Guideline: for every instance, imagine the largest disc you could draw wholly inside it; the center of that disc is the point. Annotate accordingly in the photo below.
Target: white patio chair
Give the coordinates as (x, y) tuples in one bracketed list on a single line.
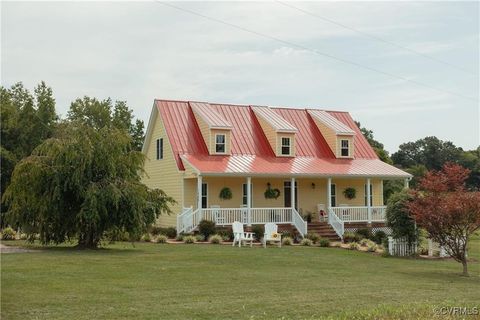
[(322, 214), (239, 235), (271, 234)]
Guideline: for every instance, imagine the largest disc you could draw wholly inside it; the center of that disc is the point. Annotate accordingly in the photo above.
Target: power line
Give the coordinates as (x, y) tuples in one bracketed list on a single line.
[(368, 35), (295, 45)]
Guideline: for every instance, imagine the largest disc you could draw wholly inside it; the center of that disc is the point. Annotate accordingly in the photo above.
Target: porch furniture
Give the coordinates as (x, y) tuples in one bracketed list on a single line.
[(271, 234), (322, 214), (239, 235)]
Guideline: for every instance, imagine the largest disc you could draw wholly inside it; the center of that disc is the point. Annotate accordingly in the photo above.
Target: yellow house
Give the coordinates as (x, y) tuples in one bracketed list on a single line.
[(259, 164)]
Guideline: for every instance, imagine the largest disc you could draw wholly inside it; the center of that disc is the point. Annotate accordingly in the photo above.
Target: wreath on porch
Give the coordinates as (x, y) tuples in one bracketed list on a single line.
[(225, 193), (271, 193), (350, 193)]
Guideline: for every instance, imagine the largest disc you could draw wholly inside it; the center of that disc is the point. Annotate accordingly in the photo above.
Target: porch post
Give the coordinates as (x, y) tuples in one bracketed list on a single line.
[(406, 183), (292, 192), (369, 204), (249, 201), (199, 195), (329, 198)]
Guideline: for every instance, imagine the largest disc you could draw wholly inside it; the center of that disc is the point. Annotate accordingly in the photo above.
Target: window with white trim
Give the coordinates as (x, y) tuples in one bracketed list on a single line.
[(159, 148), (204, 195), (244, 192), (344, 148), (220, 143), (333, 195), (286, 146)]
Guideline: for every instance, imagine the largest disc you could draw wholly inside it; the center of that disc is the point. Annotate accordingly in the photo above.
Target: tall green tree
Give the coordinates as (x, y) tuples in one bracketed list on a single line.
[(104, 113), (82, 183), (26, 121)]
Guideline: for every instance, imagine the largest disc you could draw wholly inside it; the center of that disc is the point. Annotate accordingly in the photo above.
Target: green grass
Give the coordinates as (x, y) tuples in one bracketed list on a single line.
[(154, 281)]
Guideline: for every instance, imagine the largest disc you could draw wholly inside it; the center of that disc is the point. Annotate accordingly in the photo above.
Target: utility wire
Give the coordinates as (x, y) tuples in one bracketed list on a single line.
[(295, 45), (368, 35)]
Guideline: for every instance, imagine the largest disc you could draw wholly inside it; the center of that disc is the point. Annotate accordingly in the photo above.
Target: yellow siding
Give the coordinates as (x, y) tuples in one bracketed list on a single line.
[(359, 185), (164, 173), (190, 193), (205, 130), (351, 144), (329, 135), (270, 133)]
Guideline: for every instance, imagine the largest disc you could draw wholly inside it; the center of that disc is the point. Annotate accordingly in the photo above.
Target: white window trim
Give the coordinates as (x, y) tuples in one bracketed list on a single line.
[(225, 143), (365, 194), (342, 148), (244, 185), (290, 146), (206, 195), (333, 186), (159, 149)]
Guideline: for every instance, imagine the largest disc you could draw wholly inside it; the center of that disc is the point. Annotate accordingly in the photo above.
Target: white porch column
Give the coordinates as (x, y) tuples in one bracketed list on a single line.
[(406, 183), (249, 200), (329, 198), (199, 195), (369, 204), (292, 192)]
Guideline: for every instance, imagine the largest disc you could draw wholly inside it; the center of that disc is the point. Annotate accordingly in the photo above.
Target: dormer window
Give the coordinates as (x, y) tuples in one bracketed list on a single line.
[(220, 142), (286, 146), (344, 150)]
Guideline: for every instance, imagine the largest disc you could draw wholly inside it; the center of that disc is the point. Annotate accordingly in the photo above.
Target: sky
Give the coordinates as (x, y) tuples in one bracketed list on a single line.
[(405, 70)]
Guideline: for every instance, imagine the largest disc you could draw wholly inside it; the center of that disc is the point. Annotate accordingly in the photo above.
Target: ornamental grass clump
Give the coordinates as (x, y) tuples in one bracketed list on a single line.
[(372, 247), (287, 241), (313, 236), (353, 246), (161, 238), (324, 242), (8, 234), (146, 237), (306, 242), (189, 239), (215, 239)]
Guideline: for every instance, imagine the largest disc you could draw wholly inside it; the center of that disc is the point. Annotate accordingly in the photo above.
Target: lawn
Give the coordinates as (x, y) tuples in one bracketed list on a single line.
[(155, 281)]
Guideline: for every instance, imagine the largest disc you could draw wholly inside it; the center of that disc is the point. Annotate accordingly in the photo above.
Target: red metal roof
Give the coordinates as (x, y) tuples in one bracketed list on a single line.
[(251, 152), (330, 121), (275, 120), (208, 114)]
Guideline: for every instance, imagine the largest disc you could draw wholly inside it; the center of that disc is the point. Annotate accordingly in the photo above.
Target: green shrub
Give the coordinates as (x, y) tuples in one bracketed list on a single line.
[(306, 242), (180, 236), (23, 236), (313, 236), (364, 233), (379, 236), (324, 242), (226, 234), (170, 232), (189, 239), (258, 231), (161, 238), (146, 237), (287, 235), (353, 246), (215, 239), (200, 237), (366, 242), (350, 237), (206, 228), (372, 247), (8, 234), (399, 217), (287, 241)]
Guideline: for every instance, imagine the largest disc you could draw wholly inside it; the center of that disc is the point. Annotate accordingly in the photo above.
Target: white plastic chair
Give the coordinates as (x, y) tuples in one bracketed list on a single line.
[(322, 214), (271, 229), (239, 235)]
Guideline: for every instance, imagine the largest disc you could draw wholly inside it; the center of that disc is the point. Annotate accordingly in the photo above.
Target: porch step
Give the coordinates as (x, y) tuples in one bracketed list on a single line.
[(324, 230)]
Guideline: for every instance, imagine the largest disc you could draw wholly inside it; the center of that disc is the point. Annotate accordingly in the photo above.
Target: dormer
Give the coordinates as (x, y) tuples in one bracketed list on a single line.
[(279, 132), (340, 138), (216, 131)]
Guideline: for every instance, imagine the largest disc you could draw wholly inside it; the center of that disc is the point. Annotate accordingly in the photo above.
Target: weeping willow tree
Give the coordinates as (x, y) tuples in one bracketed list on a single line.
[(80, 184)]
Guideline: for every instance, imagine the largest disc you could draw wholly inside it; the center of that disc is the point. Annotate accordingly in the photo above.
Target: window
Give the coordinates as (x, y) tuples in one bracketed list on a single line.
[(285, 146), (333, 195), (344, 148), (220, 143), (371, 194), (244, 192), (204, 195), (287, 194), (159, 148)]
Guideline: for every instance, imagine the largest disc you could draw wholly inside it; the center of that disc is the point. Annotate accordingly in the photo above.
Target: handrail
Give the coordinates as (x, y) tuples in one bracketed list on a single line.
[(299, 223), (360, 214), (336, 223)]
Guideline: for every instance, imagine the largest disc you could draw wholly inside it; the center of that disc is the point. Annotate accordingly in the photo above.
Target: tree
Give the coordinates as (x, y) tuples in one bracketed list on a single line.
[(447, 210), (99, 114), (399, 218), (82, 183), (26, 121)]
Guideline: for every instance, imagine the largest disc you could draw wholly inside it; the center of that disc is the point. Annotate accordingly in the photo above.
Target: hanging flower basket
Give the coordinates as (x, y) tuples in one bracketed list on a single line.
[(271, 193), (225, 193)]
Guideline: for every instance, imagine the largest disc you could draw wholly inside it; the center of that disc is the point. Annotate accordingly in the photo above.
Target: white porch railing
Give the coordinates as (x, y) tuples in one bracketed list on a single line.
[(360, 214), (336, 223), (188, 220)]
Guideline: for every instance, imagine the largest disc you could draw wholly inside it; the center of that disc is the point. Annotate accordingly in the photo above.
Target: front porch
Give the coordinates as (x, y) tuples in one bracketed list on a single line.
[(320, 199)]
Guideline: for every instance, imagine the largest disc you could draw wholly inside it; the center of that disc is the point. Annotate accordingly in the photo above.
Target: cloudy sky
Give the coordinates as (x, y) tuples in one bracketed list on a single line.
[(403, 69)]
